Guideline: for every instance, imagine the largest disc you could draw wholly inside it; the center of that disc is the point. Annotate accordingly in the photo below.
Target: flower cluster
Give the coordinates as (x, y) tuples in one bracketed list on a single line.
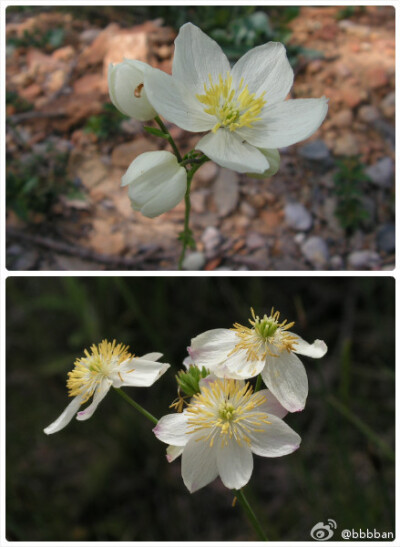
[(242, 109), (222, 420)]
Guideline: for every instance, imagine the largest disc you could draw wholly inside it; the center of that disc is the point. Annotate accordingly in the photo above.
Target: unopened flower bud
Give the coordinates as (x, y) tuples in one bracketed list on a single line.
[(127, 92), (156, 182)]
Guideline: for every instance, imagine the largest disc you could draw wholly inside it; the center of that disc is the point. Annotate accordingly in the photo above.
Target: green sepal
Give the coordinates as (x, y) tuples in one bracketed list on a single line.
[(189, 380)]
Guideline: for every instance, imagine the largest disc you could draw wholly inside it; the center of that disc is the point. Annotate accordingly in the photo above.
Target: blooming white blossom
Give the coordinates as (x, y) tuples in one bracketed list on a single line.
[(108, 364), (221, 428), (243, 108), (126, 88), (267, 348), (156, 182)]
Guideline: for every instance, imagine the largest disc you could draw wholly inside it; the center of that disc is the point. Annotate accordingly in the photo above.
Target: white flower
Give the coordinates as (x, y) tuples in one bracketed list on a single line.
[(221, 428), (127, 92), (243, 107), (267, 348), (156, 182), (107, 365)]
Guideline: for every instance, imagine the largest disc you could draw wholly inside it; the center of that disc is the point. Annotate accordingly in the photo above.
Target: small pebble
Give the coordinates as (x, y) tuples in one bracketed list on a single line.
[(297, 217), (381, 173), (316, 251), (363, 260), (386, 238), (194, 261)]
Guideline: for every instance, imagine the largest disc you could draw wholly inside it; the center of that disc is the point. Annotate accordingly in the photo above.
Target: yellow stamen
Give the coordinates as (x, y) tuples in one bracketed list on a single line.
[(224, 410), (266, 336), (90, 370), (232, 108)]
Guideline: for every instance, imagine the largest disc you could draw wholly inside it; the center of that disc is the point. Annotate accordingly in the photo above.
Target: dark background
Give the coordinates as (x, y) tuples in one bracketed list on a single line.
[(108, 479)]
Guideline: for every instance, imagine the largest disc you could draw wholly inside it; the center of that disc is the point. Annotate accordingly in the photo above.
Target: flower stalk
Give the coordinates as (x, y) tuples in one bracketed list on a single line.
[(137, 406), (250, 514)]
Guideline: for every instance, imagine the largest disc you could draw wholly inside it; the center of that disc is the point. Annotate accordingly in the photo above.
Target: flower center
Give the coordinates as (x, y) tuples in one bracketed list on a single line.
[(90, 370), (226, 410), (265, 337), (232, 108)]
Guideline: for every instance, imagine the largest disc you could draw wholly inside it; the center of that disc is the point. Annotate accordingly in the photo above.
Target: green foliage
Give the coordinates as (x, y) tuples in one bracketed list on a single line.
[(20, 104), (49, 40), (349, 11), (107, 124), (34, 182), (348, 181)]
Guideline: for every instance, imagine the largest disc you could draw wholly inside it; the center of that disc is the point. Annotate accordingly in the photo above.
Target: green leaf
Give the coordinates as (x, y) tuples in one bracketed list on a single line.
[(156, 132)]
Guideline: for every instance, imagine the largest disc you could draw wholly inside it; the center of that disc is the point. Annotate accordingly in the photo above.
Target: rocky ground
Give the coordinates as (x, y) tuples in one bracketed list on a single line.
[(287, 222)]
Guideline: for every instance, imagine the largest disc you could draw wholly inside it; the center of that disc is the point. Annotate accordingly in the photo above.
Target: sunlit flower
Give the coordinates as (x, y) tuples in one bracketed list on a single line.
[(243, 108), (108, 364), (156, 182), (127, 92), (220, 430), (267, 348)]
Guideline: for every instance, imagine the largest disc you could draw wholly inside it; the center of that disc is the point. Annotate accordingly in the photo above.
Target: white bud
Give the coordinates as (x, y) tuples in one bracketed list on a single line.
[(127, 92), (156, 182)]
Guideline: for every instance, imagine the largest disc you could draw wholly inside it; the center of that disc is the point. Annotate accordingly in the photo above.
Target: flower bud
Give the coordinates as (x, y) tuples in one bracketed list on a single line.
[(126, 88), (156, 182)]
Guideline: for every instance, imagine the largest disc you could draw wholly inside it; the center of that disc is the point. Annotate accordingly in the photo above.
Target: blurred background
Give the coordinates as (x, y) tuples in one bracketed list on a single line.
[(331, 205), (108, 479)]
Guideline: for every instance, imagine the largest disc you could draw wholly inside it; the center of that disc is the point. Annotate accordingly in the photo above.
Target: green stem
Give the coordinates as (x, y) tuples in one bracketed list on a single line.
[(362, 426), (170, 139), (136, 405), (186, 235), (258, 383), (251, 515)]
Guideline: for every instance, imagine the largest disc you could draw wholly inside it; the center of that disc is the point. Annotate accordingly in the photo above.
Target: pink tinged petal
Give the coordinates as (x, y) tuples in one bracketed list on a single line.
[(286, 377), (188, 360), (98, 396), (65, 417), (286, 123), (143, 372), (265, 69), (316, 350), (271, 405), (199, 464), (274, 439), (196, 57), (173, 429), (173, 452), (229, 150), (173, 100), (235, 463), (212, 347)]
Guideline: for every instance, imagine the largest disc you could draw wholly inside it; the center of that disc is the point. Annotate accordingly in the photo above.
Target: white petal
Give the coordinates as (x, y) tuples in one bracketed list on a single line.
[(235, 464), (152, 356), (316, 350), (142, 373), (65, 417), (156, 182), (286, 123), (227, 149), (237, 366), (274, 160), (98, 396), (173, 100), (271, 405), (123, 81), (286, 377), (199, 464), (212, 347), (274, 439), (265, 68), (151, 167), (170, 194), (196, 57), (173, 452), (173, 429)]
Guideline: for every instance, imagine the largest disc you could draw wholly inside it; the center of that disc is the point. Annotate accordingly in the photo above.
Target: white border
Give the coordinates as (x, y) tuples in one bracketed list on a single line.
[(4, 274)]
